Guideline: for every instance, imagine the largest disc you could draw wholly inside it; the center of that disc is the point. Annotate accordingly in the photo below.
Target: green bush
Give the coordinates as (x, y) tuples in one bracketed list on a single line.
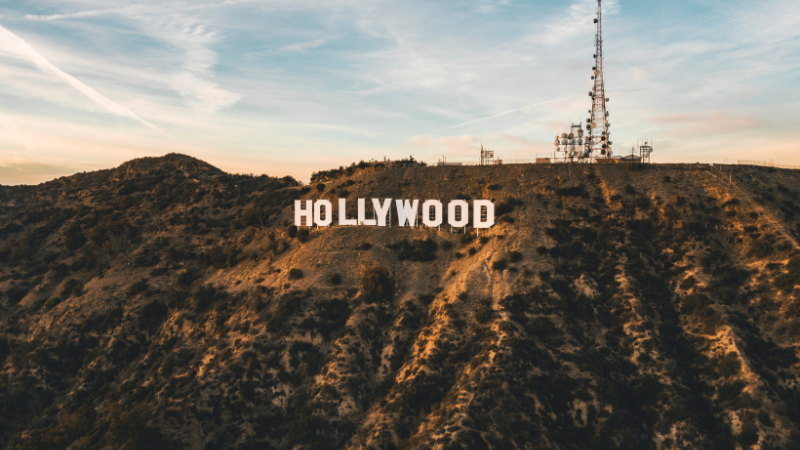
[(377, 282), (16, 293), (335, 279), (572, 191), (219, 256), (52, 301), (71, 288), (73, 237), (484, 312), (256, 217), (787, 281), (748, 437), (499, 265), (728, 392), (295, 274), (648, 390), (303, 235), (70, 427), (203, 295), (138, 287), (760, 248), (542, 327), (507, 206), (127, 426), (153, 315), (729, 365), (416, 250)]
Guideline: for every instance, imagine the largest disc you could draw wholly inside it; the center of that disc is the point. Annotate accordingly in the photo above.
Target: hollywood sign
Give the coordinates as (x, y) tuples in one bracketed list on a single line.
[(320, 213)]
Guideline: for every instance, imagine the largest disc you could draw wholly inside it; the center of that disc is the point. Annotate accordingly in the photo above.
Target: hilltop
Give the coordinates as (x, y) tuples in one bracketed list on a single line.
[(167, 304)]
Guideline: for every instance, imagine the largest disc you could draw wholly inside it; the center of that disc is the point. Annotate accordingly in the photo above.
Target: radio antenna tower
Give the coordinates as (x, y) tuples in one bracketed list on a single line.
[(600, 145)]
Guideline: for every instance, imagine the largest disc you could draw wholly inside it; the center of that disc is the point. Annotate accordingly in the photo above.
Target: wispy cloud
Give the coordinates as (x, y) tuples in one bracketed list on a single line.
[(175, 26), (494, 116), (15, 46), (713, 123), (577, 19), (75, 15), (430, 78), (193, 80), (302, 46)]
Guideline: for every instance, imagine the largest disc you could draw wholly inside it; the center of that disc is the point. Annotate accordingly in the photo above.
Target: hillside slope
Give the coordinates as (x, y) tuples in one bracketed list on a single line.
[(166, 304)]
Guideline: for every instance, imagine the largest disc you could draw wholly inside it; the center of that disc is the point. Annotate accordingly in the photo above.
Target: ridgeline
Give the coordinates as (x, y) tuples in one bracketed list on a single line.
[(167, 304)]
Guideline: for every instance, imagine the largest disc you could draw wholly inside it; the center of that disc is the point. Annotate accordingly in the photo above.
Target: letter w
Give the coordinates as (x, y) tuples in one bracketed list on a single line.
[(407, 212)]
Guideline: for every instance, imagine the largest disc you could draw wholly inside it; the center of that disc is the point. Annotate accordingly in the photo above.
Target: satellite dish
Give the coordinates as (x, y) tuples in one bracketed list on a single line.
[(563, 135), (556, 143), (571, 136), (597, 72)]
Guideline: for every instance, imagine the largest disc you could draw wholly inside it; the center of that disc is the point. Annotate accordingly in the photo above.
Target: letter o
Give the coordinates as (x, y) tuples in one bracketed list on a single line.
[(463, 210), (426, 213)]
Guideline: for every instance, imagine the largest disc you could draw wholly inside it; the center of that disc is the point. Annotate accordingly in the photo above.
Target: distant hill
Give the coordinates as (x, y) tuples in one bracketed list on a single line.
[(166, 304)]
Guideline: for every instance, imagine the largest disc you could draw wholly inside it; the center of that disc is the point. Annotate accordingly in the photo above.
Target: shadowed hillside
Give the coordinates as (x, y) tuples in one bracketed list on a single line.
[(167, 304)]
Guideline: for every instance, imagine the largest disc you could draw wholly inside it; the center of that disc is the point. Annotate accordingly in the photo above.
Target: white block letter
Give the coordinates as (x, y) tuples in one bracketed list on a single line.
[(343, 220), (362, 214), (458, 213), (381, 210), (407, 212), (483, 214), (318, 213), (434, 206), (300, 212)]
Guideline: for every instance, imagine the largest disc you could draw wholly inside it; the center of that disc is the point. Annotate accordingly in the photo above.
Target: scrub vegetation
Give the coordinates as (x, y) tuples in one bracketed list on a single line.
[(166, 304)]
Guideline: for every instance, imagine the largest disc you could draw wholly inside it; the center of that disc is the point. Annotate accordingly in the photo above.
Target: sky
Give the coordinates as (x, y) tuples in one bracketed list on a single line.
[(289, 87)]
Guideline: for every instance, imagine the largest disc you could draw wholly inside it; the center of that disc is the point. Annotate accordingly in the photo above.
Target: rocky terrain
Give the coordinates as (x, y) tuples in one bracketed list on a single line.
[(167, 304)]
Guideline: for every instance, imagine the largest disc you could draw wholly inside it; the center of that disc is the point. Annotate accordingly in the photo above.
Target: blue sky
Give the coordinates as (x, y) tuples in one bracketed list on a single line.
[(290, 87)]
